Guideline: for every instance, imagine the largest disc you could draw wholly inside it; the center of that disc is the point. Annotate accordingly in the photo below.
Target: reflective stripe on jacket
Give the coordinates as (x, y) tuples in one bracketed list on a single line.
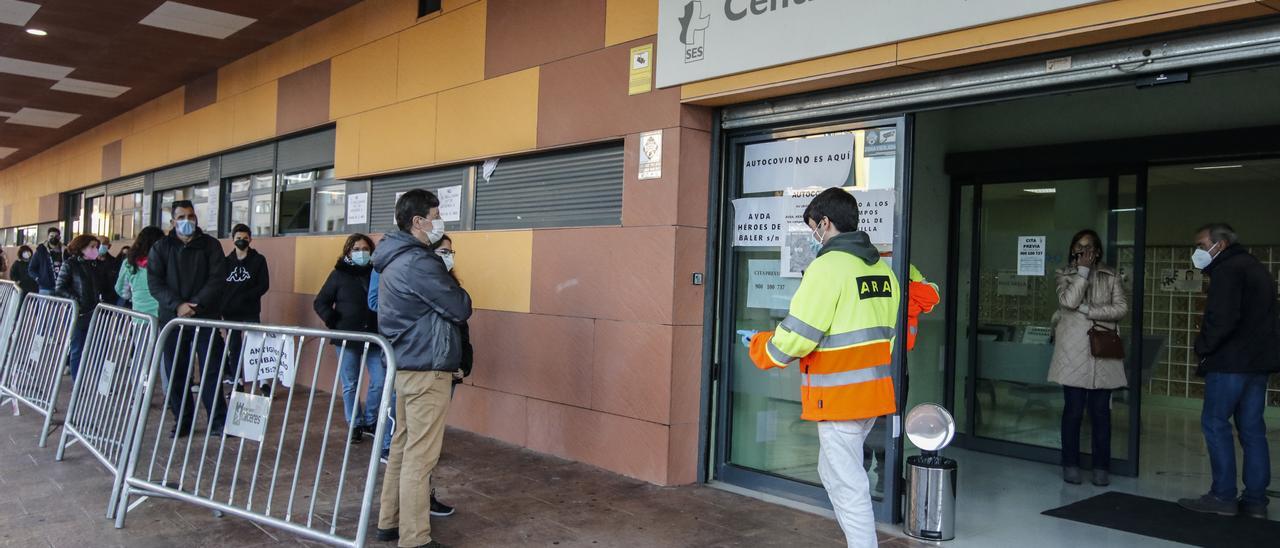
[(841, 327)]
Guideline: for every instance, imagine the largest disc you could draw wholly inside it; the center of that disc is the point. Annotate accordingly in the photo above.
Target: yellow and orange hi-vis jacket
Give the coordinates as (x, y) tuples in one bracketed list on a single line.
[(921, 298), (841, 326)]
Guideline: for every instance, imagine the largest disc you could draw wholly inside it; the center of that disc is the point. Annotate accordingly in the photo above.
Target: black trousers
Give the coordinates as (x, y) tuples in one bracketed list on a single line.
[(1098, 404), (178, 361)]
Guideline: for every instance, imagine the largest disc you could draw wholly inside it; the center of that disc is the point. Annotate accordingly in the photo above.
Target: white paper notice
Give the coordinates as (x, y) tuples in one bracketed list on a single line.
[(766, 288), (37, 348), (358, 208), (249, 416), (822, 162), (875, 214), (1031, 255), (268, 355), (797, 248), (757, 222), (450, 203), (105, 380), (487, 170), (651, 155)]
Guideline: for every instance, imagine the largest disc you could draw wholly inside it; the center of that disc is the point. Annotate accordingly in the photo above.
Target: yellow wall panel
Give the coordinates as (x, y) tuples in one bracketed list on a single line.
[(450, 5), (443, 53), (496, 268), (214, 126), (159, 110), (1094, 14), (856, 60), (144, 150), (346, 154), (399, 136), (255, 114), (387, 17), (184, 142), (364, 78), (627, 20), (313, 260), (491, 117)]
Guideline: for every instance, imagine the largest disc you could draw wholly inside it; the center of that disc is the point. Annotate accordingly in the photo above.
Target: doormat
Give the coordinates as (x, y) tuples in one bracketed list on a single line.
[(1166, 520)]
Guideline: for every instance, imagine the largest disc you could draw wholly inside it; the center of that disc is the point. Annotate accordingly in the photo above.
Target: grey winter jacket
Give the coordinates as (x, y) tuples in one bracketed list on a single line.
[(420, 306)]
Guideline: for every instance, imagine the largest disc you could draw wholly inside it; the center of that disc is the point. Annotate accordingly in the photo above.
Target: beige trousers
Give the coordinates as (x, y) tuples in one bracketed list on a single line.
[(422, 404)]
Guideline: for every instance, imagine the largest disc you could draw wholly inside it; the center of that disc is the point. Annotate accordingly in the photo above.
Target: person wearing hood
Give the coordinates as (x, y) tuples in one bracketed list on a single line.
[(840, 327), (342, 304), (420, 311), (19, 271), (185, 273), (248, 280)]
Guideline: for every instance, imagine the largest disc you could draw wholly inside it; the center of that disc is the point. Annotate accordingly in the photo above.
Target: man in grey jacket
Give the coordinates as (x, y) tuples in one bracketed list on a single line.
[(420, 308)]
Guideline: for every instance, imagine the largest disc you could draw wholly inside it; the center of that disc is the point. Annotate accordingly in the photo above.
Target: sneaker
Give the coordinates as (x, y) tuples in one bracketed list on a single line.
[(1101, 478), (1258, 511), (1071, 474), (1210, 504), (356, 437), (387, 535), (439, 509), (383, 458)]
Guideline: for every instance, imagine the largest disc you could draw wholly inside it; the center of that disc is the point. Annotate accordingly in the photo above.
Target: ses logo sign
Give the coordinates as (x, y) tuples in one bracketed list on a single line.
[(701, 39)]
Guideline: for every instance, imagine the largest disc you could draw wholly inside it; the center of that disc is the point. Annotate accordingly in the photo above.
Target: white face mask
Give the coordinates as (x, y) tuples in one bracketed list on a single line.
[(819, 236), (437, 231), (448, 261), (26, 256), (1202, 258)]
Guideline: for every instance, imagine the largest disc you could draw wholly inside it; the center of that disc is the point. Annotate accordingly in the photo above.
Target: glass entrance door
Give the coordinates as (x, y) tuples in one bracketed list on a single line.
[(762, 443), (1015, 254)]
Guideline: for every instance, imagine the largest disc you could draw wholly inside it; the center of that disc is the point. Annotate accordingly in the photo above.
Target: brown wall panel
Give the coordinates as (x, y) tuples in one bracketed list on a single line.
[(627, 446), (632, 370), (302, 99), (111, 159), (695, 176), (522, 34), (200, 93), (490, 413), (651, 202), (542, 357), (686, 374), (605, 273), (585, 98), (691, 256), (48, 209)]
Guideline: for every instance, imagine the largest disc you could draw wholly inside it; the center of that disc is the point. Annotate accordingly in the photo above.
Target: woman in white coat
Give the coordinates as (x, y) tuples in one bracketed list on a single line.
[(1089, 292)]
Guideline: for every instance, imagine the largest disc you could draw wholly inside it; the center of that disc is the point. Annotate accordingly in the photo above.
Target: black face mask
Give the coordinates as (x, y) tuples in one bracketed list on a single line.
[(242, 244), (55, 241)]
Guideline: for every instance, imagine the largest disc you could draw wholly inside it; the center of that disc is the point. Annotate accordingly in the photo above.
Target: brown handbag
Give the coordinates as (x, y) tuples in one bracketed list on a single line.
[(1105, 343)]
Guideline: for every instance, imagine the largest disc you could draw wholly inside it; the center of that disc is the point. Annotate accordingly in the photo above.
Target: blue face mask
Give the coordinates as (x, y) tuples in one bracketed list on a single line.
[(103, 249), (186, 227), (360, 258)]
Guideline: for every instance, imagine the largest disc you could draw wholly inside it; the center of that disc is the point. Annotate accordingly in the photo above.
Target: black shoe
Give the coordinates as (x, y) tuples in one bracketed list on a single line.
[(1258, 511), (356, 437), (432, 544), (439, 509), (369, 430), (387, 535), (1210, 504), (1071, 474), (181, 432), (1101, 478)]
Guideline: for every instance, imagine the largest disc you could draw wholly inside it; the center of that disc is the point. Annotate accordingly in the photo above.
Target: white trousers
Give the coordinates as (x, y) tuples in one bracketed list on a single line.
[(840, 467)]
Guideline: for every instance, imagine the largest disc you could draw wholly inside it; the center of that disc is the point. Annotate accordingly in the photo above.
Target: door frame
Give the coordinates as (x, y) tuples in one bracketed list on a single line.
[(732, 143), (1133, 370)]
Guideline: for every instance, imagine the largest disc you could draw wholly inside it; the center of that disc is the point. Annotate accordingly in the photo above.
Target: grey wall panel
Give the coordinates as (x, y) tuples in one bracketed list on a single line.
[(382, 202), (567, 188), (183, 175), (310, 151), (250, 160)]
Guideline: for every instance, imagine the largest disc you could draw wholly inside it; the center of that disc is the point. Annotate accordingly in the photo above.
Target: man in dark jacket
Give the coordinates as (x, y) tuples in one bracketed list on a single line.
[(248, 280), (1239, 349), (185, 272), (420, 307), (47, 261)]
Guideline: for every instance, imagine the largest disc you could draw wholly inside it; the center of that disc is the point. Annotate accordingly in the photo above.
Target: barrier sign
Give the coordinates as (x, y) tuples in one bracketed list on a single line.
[(105, 379), (248, 417), (267, 356)]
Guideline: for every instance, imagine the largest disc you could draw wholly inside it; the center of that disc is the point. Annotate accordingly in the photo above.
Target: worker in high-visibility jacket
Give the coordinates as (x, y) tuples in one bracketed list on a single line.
[(922, 296), (841, 328)]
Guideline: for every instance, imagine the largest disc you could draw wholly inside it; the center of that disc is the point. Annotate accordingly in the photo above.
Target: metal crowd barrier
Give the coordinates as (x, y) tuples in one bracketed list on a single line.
[(10, 298), (264, 464), (109, 384), (37, 354)]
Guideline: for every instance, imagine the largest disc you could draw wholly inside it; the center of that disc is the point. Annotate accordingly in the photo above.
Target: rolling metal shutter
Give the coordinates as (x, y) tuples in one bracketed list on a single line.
[(183, 175), (580, 187), (383, 201), (125, 186), (95, 191), (310, 151), (248, 161)]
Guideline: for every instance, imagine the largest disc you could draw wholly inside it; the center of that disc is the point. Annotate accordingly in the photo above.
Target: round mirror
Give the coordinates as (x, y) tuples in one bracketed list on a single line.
[(930, 427)]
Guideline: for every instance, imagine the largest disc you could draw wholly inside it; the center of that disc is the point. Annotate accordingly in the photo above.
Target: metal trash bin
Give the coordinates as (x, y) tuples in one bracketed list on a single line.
[(931, 497)]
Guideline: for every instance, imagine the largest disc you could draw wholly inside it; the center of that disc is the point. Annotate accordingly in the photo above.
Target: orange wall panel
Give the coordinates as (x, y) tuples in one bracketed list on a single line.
[(488, 118), (627, 20), (442, 53), (346, 153), (214, 126), (364, 78), (398, 136), (255, 114)]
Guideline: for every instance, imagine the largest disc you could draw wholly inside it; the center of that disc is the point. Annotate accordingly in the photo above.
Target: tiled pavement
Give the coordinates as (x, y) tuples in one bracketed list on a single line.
[(506, 496)]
